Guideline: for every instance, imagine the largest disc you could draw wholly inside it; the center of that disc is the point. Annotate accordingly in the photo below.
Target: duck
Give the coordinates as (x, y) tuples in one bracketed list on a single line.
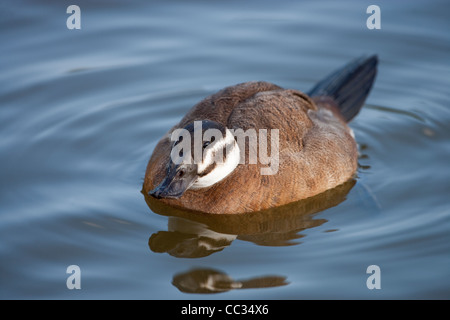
[(206, 163)]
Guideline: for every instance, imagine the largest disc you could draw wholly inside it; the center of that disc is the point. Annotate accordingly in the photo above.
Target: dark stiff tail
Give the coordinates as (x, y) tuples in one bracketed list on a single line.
[(349, 86)]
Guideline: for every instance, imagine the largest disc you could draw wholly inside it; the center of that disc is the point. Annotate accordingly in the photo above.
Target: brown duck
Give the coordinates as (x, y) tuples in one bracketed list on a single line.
[(312, 149)]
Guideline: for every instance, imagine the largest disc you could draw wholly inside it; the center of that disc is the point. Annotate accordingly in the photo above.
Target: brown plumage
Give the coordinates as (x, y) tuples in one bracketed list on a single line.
[(316, 148)]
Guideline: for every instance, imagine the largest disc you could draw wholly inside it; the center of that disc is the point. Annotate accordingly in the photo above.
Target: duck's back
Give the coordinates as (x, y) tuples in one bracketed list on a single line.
[(220, 105)]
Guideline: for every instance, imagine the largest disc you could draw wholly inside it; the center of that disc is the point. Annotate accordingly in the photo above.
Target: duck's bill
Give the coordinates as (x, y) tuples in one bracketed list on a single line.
[(174, 185)]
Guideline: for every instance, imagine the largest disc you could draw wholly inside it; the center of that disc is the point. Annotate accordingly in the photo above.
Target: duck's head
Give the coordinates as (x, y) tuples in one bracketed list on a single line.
[(202, 154)]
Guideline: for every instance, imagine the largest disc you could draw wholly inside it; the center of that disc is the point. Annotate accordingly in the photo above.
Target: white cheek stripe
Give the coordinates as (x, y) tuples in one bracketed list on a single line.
[(222, 169), (209, 159)]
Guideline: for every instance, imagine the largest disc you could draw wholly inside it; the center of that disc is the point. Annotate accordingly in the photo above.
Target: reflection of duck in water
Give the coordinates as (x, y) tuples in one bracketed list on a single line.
[(316, 150), (213, 281), (189, 239), (194, 235)]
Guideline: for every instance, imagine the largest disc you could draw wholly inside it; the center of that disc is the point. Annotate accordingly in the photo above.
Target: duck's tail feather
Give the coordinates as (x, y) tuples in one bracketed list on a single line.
[(349, 86)]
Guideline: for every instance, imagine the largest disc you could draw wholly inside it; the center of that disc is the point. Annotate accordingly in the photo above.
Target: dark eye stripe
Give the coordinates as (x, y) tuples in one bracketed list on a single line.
[(228, 149), (208, 169), (212, 166)]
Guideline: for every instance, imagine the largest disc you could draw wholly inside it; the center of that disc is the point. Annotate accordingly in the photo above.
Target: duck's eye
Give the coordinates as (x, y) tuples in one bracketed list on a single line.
[(181, 153), (206, 143), (180, 173)]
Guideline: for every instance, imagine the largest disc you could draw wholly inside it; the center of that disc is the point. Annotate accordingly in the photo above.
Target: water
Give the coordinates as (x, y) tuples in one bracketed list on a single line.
[(82, 110)]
